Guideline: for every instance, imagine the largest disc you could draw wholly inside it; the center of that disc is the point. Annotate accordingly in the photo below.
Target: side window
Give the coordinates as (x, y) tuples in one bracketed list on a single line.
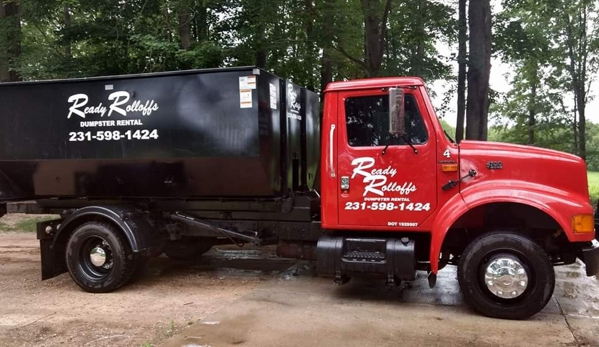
[(367, 119)]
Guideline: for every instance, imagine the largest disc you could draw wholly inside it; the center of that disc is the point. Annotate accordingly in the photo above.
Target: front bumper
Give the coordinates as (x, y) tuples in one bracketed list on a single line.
[(590, 257)]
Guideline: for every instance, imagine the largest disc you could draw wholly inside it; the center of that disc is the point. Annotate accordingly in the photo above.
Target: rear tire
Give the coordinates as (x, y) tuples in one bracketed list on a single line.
[(99, 258), (500, 260), (187, 248)]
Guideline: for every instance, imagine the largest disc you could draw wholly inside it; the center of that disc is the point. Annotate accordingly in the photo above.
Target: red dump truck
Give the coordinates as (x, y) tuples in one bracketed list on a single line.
[(371, 186)]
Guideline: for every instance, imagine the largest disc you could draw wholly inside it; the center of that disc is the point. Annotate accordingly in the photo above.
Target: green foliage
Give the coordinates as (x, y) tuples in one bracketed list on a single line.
[(448, 128), (28, 225), (82, 38), (594, 187), (553, 46)]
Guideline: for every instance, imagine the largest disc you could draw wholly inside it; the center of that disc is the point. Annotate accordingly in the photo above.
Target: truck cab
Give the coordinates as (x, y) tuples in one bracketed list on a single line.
[(505, 214)]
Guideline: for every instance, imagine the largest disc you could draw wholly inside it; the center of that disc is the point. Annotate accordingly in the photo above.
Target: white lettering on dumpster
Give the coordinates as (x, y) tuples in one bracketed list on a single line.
[(120, 104)]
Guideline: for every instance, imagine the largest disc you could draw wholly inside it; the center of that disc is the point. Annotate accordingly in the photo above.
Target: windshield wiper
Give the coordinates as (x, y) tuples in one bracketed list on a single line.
[(407, 140), (389, 140), (385, 149)]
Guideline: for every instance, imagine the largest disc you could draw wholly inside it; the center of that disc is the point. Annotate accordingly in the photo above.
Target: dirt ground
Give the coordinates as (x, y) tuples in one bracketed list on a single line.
[(249, 297), (170, 296)]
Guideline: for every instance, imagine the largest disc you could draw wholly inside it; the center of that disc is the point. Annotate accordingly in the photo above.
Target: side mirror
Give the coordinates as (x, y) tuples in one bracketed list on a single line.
[(397, 114)]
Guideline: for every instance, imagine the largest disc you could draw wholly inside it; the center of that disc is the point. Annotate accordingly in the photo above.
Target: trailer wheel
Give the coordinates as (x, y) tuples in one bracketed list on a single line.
[(506, 275), (99, 258), (187, 248)]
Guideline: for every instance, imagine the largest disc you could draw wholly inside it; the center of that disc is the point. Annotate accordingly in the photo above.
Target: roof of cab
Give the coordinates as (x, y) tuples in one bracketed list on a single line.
[(370, 83)]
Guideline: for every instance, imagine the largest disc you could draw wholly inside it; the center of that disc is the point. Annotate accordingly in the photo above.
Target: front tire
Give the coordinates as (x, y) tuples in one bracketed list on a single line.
[(506, 275), (99, 258)]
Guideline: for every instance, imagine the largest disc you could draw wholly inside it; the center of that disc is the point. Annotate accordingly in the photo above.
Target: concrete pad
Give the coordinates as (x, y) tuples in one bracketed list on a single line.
[(305, 310)]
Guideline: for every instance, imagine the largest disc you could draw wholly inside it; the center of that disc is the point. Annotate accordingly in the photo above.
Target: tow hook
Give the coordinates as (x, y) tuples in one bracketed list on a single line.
[(453, 183)]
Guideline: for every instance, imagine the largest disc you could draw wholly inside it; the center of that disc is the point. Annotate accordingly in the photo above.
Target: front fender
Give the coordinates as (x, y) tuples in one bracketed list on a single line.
[(557, 204)]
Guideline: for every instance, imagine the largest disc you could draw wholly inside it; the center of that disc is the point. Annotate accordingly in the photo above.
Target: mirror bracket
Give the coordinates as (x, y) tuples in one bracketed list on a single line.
[(397, 115)]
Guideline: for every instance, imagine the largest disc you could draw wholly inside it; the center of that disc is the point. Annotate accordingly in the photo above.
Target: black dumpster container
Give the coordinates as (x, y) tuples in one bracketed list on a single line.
[(236, 132)]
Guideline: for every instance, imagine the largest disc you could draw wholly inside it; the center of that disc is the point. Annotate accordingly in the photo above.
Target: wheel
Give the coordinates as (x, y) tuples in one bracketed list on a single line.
[(99, 258), (506, 275), (187, 248)]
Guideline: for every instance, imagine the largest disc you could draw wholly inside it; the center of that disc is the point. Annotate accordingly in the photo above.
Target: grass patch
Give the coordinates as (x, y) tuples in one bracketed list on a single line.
[(27, 225), (5, 227), (593, 187)]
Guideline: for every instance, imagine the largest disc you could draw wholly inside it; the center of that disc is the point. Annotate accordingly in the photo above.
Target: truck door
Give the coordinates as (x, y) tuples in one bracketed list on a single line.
[(386, 188)]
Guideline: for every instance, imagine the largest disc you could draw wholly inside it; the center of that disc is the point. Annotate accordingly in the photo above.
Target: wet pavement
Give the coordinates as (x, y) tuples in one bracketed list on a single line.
[(297, 309)]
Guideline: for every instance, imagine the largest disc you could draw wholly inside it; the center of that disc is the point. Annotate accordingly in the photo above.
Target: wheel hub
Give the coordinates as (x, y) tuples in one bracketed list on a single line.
[(98, 256), (506, 278)]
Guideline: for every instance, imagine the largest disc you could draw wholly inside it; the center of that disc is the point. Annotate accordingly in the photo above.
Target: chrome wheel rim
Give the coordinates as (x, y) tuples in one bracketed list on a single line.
[(506, 277), (96, 258)]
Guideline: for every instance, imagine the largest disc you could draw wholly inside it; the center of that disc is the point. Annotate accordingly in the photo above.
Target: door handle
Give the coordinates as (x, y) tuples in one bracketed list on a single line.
[(331, 149)]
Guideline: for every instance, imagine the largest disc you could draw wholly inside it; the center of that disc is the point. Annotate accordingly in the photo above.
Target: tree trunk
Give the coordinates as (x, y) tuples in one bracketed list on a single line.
[(479, 69), (184, 28), (67, 25), (10, 39), (310, 43), (462, 38), (375, 34), (326, 64), (167, 19), (202, 22), (260, 44), (582, 122), (418, 55), (575, 124), (532, 106)]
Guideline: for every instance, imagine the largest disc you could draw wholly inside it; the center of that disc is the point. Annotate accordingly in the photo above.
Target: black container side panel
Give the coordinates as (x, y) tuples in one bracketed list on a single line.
[(294, 116), (163, 136), (269, 103)]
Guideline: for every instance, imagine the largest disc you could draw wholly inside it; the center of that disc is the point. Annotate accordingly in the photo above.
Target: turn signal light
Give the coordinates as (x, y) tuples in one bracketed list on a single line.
[(449, 167), (583, 223)]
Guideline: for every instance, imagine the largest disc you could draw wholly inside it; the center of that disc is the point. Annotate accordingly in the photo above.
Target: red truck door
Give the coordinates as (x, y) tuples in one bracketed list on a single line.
[(396, 189)]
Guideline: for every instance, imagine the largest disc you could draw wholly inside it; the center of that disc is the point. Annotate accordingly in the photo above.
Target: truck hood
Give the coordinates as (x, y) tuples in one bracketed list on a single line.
[(532, 165)]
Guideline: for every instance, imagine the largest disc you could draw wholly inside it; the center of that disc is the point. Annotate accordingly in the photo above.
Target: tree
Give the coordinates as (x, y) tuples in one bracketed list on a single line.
[(479, 69), (375, 14), (582, 45), (413, 36), (10, 39), (554, 47), (522, 41), (184, 19), (462, 62)]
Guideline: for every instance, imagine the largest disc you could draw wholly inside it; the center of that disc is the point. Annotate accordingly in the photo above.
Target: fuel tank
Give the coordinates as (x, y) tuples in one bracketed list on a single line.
[(234, 132)]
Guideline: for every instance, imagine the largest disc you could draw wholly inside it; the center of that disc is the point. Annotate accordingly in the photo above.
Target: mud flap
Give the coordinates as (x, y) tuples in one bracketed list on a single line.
[(52, 264), (590, 257)]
